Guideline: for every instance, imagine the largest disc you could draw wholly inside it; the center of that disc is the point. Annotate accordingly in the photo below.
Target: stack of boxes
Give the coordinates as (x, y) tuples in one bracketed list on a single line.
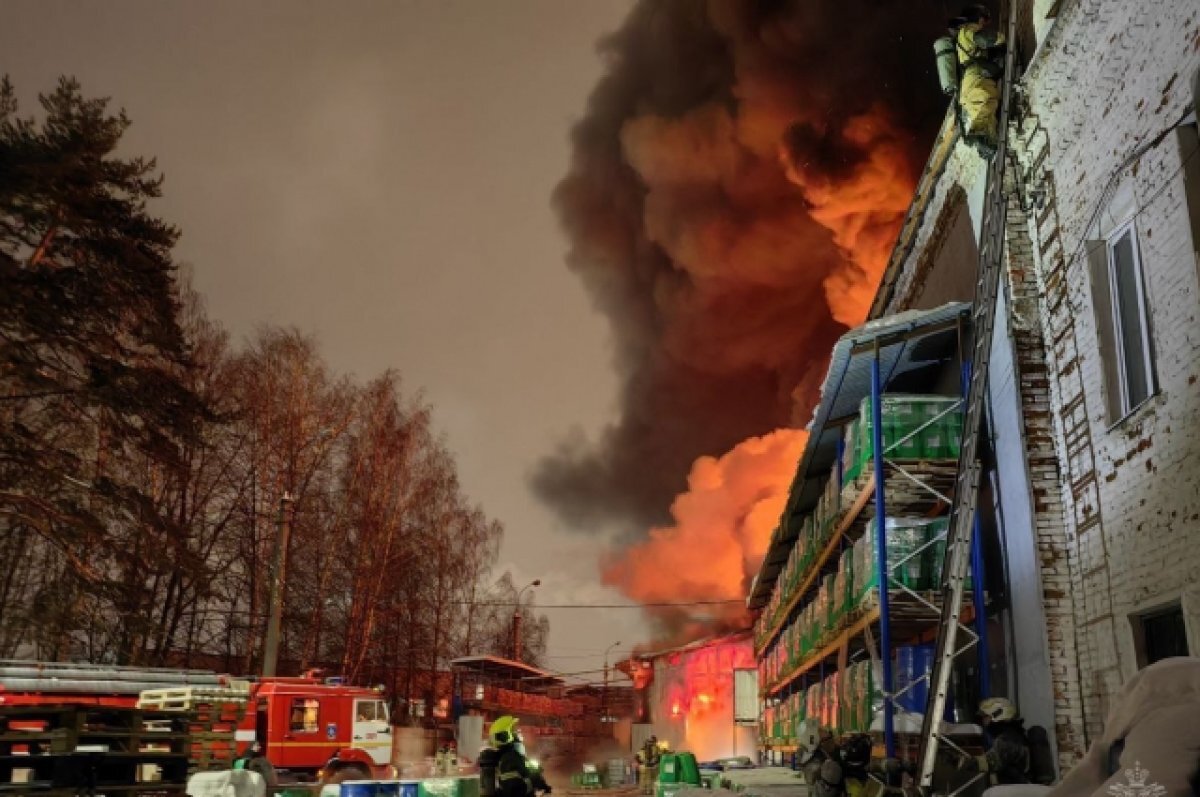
[(914, 428)]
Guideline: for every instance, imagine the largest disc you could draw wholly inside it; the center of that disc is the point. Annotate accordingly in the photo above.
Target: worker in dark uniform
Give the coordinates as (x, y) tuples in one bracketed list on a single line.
[(513, 775), (1007, 758), (856, 761)]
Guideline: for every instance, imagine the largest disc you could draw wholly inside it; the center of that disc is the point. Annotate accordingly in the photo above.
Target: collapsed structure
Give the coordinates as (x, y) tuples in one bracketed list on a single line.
[(1088, 516)]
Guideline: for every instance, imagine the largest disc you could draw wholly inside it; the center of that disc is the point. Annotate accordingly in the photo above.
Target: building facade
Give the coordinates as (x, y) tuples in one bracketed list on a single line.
[(1094, 382)]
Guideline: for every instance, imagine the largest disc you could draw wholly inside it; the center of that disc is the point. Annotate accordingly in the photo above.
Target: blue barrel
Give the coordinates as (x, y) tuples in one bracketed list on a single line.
[(912, 663), (359, 788), (409, 788)]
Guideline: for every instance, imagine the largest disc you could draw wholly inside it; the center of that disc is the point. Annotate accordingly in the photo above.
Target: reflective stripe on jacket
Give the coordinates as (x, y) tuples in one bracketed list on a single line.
[(512, 774)]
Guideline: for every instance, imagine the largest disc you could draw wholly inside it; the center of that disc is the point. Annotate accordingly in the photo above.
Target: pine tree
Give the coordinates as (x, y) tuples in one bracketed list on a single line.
[(90, 345)]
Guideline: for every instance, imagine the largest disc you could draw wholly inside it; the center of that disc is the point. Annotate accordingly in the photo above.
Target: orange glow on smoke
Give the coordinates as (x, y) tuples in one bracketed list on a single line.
[(863, 208), (723, 524)]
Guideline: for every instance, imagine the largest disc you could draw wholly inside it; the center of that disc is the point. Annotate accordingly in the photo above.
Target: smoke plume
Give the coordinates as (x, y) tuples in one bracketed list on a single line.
[(735, 187)]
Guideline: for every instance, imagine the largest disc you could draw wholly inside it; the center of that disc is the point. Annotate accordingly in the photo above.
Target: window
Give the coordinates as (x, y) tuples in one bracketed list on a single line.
[(1160, 634), (306, 715), (1134, 357), (1122, 320)]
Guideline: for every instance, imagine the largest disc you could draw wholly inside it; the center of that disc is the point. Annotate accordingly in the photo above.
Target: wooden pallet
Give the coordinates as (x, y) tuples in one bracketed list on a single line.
[(191, 698), (903, 497)]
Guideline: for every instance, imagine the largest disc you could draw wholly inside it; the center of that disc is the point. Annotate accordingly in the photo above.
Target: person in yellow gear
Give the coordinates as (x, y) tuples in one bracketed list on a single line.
[(979, 50), (513, 775)]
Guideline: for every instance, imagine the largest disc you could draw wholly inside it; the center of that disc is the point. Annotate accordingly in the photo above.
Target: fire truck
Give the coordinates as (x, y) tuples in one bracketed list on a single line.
[(309, 727)]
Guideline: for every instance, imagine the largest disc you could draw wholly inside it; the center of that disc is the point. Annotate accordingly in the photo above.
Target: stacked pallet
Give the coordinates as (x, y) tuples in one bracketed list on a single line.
[(212, 716), (60, 750)]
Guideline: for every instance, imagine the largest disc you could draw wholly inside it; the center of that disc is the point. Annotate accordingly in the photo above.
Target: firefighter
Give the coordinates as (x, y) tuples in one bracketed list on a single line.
[(856, 758), (821, 750), (513, 778), (1007, 757), (647, 759), (980, 52)]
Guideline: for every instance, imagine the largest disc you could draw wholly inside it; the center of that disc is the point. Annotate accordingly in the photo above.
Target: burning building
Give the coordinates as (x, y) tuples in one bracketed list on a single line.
[(700, 697)]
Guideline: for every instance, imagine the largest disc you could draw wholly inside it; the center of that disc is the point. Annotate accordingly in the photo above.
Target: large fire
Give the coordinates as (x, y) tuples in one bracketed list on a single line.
[(722, 527), (735, 189), (691, 699)]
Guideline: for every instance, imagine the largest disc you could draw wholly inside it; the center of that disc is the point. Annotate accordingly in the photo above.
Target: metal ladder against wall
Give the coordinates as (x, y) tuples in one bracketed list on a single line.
[(966, 489)]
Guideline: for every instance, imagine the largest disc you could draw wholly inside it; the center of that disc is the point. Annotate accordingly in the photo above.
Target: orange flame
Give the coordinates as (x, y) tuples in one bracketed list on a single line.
[(692, 696), (723, 524)]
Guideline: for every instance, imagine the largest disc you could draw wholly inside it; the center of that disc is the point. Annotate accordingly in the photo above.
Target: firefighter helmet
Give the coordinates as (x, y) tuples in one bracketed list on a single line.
[(975, 12), (504, 730), (998, 709)]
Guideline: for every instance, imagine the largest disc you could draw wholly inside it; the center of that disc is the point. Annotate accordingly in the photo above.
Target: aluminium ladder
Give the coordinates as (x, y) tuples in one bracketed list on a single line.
[(966, 489)]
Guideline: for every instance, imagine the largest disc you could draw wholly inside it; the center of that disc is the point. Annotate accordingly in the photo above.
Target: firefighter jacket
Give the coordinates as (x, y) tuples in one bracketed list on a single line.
[(512, 774), (1008, 756), (979, 49)]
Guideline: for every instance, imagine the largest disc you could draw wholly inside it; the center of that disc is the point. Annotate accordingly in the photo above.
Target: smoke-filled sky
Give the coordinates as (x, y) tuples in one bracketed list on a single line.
[(735, 190), (613, 242)]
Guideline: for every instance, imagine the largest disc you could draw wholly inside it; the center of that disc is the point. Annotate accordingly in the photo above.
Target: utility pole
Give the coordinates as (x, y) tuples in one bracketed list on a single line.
[(278, 579), (516, 634), (516, 621), (604, 693)]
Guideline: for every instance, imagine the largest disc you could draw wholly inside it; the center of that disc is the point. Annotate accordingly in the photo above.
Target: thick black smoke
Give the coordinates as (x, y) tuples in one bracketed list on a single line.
[(737, 168)]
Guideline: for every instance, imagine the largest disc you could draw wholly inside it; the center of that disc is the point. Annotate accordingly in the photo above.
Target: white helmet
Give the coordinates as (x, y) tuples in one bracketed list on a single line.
[(998, 709)]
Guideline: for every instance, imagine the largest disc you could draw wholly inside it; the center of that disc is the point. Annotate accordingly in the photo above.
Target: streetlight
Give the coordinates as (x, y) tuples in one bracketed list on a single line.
[(516, 623), (604, 694)]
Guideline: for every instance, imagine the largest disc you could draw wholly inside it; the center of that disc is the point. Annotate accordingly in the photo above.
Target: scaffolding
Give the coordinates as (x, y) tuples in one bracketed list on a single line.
[(901, 354)]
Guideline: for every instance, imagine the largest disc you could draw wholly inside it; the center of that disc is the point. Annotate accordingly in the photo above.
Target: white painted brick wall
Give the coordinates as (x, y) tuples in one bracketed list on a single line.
[(1112, 75), (1116, 511)]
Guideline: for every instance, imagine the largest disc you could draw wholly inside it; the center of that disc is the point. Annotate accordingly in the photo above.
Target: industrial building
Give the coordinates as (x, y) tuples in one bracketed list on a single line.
[(698, 697), (1089, 511)]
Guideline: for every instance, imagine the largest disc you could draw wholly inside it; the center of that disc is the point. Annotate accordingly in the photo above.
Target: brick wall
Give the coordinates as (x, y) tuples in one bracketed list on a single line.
[(1115, 509), (1110, 77)]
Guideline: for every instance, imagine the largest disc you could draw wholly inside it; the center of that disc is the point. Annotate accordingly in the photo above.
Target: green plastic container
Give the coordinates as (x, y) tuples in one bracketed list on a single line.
[(679, 768)]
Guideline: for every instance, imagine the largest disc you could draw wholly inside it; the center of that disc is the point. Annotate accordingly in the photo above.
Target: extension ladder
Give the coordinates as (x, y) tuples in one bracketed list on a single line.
[(966, 490)]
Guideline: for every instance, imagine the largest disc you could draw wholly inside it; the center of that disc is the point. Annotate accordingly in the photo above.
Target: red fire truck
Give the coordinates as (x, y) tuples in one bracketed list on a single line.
[(309, 727)]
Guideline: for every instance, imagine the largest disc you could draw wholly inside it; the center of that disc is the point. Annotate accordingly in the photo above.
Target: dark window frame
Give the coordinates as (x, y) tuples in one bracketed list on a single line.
[(300, 711), (1144, 624)]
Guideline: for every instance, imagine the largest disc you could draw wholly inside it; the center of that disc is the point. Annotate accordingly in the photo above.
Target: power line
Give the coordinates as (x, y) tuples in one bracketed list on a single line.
[(648, 605)]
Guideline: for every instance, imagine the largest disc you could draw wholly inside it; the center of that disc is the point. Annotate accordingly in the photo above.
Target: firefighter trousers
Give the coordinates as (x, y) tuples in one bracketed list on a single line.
[(979, 97)]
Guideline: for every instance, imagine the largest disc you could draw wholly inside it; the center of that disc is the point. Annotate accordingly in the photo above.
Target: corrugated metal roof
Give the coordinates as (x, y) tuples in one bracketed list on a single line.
[(909, 343)]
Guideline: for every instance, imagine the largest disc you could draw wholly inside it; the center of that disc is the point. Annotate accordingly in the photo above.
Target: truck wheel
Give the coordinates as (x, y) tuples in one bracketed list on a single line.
[(349, 772)]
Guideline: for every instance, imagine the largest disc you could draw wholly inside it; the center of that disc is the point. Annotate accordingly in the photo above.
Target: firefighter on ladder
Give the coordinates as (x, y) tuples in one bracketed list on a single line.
[(970, 64)]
